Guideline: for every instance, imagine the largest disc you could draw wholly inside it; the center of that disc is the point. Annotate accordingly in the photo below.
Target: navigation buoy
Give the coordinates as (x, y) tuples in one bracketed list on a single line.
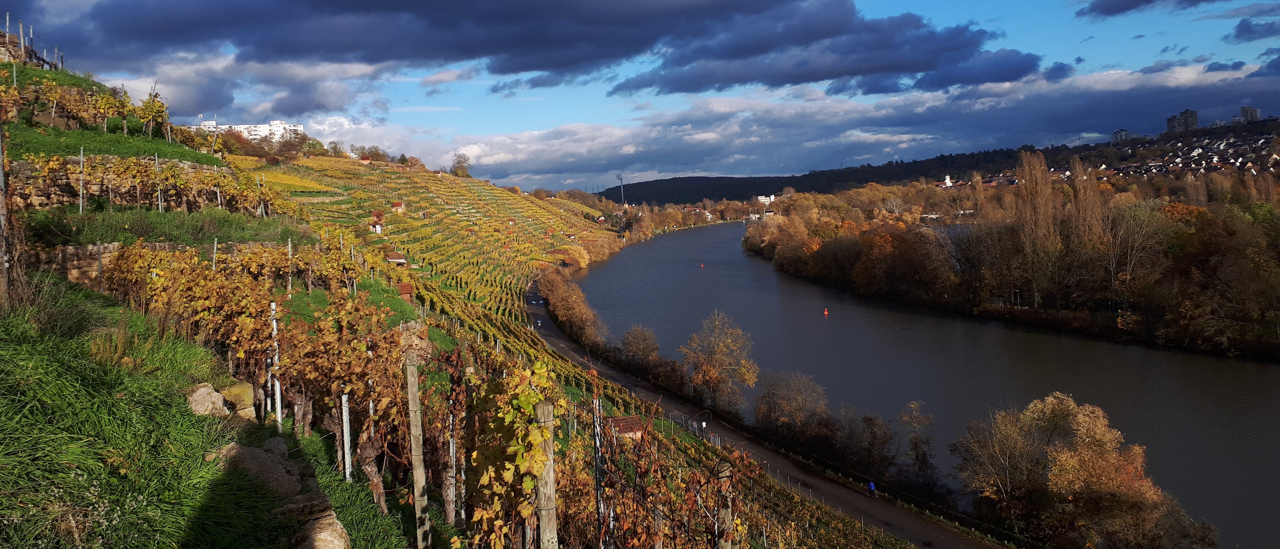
[(702, 265), (824, 312)]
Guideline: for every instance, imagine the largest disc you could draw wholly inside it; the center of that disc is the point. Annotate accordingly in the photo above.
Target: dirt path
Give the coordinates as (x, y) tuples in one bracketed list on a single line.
[(891, 518)]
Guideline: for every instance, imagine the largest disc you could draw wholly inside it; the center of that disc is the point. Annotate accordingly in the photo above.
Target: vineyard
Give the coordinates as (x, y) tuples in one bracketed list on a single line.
[(463, 455)]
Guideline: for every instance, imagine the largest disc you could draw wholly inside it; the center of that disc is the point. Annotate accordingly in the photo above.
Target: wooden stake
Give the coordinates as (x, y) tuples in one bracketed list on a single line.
[(4, 228), (546, 495), (423, 520)]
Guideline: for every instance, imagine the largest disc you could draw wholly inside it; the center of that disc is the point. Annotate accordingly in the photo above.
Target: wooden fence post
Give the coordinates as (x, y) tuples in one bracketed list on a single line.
[(422, 519), (346, 437), (546, 498), (4, 226)]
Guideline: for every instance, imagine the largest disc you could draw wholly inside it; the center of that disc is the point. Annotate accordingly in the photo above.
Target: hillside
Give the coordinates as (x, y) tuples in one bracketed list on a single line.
[(319, 287), (1168, 149)]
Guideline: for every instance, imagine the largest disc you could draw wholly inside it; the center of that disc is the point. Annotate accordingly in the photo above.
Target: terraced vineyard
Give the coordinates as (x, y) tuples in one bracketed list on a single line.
[(471, 249)]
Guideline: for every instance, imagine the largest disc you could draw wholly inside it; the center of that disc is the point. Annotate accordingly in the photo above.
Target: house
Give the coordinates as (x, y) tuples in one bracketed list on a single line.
[(631, 427), (397, 207), (397, 259), (766, 200), (365, 160), (405, 289), (375, 222)]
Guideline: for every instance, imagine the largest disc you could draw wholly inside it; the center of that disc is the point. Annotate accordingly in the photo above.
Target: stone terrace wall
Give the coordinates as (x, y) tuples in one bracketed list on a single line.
[(84, 264), (31, 190)]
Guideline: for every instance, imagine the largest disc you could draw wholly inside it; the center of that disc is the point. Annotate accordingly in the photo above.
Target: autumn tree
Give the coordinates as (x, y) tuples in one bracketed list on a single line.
[(640, 343), (1037, 221), (1056, 470), (461, 165), (788, 401), (718, 359)]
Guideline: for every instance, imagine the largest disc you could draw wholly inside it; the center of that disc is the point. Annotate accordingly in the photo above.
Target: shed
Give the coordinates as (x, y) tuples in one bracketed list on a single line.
[(397, 259), (405, 290), (631, 427)]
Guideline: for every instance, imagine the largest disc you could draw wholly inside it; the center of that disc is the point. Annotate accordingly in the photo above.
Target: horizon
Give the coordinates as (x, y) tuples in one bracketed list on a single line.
[(567, 95)]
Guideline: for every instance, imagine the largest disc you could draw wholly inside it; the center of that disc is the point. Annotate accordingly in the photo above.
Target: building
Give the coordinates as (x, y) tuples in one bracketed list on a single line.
[(766, 200), (1250, 114), (1120, 136), (275, 130), (1184, 121)]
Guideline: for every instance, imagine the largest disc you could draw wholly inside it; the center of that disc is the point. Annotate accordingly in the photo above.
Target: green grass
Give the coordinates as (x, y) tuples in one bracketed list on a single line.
[(382, 295), (28, 75), (352, 502), (65, 227), (25, 139), (102, 452)]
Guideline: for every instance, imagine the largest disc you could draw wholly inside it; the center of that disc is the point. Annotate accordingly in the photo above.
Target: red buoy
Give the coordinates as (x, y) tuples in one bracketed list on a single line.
[(702, 264), (824, 312)]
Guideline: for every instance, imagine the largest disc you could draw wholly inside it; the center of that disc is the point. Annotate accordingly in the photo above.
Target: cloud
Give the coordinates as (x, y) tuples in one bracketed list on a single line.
[(1059, 71), (1268, 9), (1098, 9), (1247, 30), (781, 132), (1138, 37), (828, 40), (1079, 60), (1162, 66), (434, 82), (1219, 67)]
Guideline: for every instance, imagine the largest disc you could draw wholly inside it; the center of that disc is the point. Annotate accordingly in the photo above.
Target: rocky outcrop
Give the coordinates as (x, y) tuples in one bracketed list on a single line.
[(240, 396), (279, 475), (205, 401), (288, 479)]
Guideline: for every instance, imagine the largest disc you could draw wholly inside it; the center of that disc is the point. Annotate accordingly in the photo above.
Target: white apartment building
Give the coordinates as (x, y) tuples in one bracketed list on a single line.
[(275, 130), (766, 200)]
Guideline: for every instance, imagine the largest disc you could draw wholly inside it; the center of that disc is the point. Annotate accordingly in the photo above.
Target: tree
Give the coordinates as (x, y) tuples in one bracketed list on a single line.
[(919, 471), (461, 165), (718, 357), (640, 343), (336, 149), (788, 401), (314, 147), (1058, 471)]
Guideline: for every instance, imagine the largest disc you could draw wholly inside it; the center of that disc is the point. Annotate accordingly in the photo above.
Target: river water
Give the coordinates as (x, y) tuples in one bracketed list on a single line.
[(1211, 425)]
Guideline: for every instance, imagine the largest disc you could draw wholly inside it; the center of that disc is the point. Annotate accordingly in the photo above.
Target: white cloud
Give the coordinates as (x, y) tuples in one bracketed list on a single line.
[(424, 108)]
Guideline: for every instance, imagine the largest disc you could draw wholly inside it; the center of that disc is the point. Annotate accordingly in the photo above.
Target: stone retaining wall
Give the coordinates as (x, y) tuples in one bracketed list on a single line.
[(35, 191), (83, 264)]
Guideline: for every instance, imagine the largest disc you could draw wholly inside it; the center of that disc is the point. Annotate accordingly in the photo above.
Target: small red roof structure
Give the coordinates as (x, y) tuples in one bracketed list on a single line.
[(405, 290), (628, 426), (397, 207), (396, 258)]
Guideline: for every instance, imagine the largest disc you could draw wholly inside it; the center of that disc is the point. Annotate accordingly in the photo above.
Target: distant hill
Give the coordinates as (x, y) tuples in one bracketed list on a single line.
[(685, 190)]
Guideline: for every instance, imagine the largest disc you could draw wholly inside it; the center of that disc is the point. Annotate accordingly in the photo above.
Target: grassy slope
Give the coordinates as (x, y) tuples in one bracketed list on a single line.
[(103, 451), (30, 75), (25, 140), (65, 227)]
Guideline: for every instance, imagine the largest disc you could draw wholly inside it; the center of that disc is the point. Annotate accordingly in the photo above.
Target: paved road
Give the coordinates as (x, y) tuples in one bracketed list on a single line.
[(892, 519)]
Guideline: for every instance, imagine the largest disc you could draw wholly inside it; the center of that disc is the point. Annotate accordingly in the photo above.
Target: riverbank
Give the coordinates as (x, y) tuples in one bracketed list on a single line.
[(1194, 412), (843, 496)]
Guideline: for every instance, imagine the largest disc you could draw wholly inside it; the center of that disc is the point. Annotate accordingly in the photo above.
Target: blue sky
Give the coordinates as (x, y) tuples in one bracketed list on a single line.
[(564, 93)]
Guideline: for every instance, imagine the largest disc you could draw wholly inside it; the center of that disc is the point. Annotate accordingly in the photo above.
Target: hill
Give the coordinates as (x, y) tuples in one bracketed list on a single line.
[(688, 190)]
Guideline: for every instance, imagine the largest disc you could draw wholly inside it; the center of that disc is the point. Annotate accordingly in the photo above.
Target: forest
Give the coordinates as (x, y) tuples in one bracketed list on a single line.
[(1190, 261)]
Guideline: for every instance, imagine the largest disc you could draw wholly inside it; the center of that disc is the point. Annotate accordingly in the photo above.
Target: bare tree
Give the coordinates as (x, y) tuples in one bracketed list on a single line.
[(788, 401), (461, 165), (718, 357)]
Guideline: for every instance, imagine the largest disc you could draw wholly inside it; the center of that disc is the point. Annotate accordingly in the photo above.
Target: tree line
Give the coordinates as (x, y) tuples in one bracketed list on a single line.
[(1190, 260), (1054, 472)]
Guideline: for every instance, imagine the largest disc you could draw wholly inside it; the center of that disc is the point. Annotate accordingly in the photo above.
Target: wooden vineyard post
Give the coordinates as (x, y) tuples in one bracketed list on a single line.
[(289, 290), (422, 519), (451, 473), (724, 539), (546, 498), (4, 224), (213, 267)]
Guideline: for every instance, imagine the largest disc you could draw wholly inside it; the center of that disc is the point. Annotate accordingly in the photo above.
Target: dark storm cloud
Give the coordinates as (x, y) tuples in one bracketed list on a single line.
[(820, 40), (1248, 30), (1059, 71), (699, 46), (1109, 8)]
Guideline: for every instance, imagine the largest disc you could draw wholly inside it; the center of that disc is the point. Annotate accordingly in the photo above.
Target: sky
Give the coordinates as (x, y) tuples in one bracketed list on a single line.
[(569, 93)]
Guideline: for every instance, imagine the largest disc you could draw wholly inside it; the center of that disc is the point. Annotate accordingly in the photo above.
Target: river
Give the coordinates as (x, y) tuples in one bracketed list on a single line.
[(1211, 424)]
